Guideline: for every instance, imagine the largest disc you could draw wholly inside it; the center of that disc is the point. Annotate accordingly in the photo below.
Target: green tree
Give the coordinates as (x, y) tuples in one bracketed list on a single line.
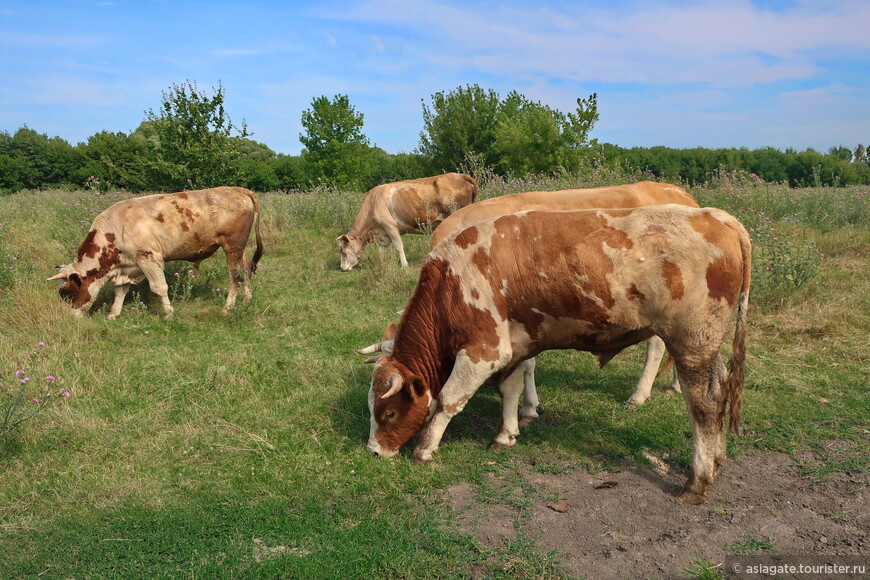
[(191, 140), (514, 135), (531, 137), (459, 123), (841, 152), (116, 160), (336, 151), (861, 155)]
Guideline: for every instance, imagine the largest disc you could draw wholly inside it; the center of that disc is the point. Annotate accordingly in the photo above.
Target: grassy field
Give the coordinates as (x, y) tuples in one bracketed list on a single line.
[(211, 446)]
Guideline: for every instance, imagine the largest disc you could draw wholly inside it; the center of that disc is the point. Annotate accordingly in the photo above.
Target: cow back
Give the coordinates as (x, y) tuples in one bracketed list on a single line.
[(619, 196)]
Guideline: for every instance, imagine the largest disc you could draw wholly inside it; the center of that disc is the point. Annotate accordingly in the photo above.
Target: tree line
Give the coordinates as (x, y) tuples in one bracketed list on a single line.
[(191, 142)]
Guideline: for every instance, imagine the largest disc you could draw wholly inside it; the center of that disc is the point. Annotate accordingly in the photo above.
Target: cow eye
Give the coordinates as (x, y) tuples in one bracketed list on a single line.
[(390, 415)]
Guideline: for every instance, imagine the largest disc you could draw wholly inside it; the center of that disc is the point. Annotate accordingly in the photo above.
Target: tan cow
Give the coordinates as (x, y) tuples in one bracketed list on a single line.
[(504, 289), (133, 239), (404, 207), (616, 196)]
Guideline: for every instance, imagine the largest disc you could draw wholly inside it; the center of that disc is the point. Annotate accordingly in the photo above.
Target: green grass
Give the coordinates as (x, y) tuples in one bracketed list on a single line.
[(233, 446)]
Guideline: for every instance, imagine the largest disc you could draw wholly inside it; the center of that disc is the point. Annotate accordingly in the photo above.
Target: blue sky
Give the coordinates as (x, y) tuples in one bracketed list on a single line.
[(679, 73)]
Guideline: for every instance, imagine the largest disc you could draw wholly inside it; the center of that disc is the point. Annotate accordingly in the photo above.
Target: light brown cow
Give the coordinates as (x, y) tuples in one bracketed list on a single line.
[(133, 239), (505, 289), (616, 196), (404, 207)]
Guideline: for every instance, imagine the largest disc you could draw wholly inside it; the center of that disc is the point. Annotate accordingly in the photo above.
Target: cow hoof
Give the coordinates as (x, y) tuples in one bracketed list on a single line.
[(692, 498), (526, 421), (634, 403)]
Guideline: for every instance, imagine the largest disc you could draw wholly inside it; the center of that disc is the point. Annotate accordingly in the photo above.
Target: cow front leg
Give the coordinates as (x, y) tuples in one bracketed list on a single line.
[(152, 267), (396, 238), (464, 381), (511, 388), (529, 410), (705, 402), (120, 293)]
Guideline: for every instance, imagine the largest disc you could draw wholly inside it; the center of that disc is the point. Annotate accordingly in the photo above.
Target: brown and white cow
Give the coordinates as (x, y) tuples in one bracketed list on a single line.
[(617, 196), (505, 289), (404, 207), (614, 196), (133, 239)]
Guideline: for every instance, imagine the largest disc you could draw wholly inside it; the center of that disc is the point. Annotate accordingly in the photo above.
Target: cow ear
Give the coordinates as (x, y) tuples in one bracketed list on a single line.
[(343, 240), (390, 331), (416, 387), (75, 279)]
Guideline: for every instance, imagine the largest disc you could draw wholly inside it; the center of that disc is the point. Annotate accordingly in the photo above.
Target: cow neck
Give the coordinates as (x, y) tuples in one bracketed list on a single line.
[(422, 340), (364, 227)]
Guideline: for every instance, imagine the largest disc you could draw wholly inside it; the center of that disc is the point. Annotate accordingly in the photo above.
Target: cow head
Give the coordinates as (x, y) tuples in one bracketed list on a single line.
[(75, 290), (350, 248), (400, 404)]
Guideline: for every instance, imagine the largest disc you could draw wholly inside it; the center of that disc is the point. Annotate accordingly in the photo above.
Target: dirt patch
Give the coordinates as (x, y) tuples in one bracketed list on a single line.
[(629, 524)]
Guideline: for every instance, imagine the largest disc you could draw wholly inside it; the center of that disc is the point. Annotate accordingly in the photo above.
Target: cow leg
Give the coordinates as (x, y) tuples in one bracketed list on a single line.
[(464, 381), (396, 238), (529, 410), (152, 267), (511, 388), (702, 389), (120, 293), (655, 350), (236, 266)]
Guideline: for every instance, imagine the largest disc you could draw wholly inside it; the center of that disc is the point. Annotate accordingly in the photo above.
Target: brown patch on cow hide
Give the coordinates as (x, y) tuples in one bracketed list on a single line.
[(467, 237), (674, 279), (182, 195), (475, 294), (632, 293), (88, 247), (110, 238), (185, 227), (724, 277), (160, 218)]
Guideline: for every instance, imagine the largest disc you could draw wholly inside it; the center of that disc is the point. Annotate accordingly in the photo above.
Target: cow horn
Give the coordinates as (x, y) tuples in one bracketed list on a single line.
[(59, 276), (395, 385), (385, 347)]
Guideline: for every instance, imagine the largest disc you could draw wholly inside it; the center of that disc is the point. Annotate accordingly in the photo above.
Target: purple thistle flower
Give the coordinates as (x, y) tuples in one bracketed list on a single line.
[(50, 379)]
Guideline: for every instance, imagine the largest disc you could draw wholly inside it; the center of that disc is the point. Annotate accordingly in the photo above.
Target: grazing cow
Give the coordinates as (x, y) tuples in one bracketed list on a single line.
[(132, 240), (507, 288), (404, 207), (617, 196)]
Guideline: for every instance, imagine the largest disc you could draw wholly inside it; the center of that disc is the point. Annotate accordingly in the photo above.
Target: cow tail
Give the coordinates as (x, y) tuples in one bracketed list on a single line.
[(474, 187), (259, 252), (736, 377)]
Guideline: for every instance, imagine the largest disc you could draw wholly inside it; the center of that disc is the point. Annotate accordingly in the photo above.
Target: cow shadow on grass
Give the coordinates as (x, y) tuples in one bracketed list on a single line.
[(583, 419)]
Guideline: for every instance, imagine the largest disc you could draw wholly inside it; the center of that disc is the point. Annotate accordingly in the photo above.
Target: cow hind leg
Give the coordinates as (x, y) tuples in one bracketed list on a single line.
[(702, 389), (531, 404), (511, 388), (655, 350), (239, 272)]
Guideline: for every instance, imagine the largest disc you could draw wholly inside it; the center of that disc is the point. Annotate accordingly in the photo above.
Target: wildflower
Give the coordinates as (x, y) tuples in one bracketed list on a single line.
[(40, 343), (25, 380), (50, 379), (18, 374), (66, 394), (34, 400)]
